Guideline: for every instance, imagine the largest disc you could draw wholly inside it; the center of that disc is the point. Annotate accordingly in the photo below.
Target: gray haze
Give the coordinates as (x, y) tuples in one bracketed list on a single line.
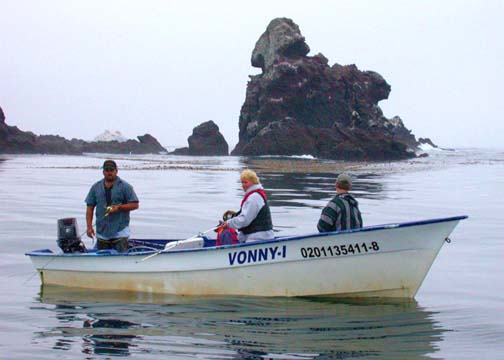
[(76, 68)]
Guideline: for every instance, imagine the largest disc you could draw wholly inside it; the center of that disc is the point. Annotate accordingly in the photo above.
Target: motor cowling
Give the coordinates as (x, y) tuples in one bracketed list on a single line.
[(68, 236)]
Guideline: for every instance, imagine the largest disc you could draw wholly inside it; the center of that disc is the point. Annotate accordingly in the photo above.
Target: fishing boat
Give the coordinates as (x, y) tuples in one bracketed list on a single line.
[(388, 260)]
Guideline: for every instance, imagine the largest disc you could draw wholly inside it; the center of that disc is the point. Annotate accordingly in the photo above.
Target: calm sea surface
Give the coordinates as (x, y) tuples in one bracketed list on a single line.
[(458, 312)]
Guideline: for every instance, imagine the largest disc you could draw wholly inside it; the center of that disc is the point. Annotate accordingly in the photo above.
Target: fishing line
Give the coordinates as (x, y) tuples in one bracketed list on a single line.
[(37, 271), (92, 238)]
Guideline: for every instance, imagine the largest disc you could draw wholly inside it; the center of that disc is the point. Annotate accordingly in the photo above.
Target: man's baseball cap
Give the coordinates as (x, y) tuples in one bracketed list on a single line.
[(344, 181), (109, 165)]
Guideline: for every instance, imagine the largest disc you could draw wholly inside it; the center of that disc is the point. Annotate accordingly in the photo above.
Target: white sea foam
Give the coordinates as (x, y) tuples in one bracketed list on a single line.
[(114, 135), (304, 156), (428, 147)]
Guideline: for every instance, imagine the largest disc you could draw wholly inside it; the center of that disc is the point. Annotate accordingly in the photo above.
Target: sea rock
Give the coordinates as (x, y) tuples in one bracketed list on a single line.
[(281, 39), (427, 141), (15, 141), (401, 133), (206, 140), (301, 105), (146, 144), (2, 116)]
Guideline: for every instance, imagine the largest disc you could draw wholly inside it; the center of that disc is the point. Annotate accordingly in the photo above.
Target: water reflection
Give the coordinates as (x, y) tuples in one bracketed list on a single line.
[(2, 161), (107, 337), (118, 323), (95, 333), (313, 190)]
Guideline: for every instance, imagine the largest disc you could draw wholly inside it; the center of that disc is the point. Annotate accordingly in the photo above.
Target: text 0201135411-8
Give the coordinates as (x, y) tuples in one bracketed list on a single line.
[(338, 250)]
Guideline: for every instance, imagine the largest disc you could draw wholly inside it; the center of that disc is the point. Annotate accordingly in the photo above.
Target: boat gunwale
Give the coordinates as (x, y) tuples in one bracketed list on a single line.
[(43, 252)]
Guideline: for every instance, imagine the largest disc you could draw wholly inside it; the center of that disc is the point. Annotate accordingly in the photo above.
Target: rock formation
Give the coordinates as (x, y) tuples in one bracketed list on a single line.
[(15, 141), (146, 144), (427, 141), (301, 105), (205, 140)]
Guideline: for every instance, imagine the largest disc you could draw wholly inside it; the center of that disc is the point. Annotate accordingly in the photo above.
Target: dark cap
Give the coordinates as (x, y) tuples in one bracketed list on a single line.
[(109, 164), (344, 181)]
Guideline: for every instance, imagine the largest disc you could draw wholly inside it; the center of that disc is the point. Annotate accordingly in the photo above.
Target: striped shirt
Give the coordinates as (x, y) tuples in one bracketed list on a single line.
[(341, 213)]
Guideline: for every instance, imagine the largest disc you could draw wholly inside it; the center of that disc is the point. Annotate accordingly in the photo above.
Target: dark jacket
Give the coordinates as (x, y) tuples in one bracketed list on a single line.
[(341, 213)]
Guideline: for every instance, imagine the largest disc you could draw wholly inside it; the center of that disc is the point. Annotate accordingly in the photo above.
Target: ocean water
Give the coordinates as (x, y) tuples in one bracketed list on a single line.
[(457, 314)]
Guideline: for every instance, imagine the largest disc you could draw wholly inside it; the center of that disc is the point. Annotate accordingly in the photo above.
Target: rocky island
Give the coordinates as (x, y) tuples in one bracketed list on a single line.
[(301, 105), (206, 140), (15, 141), (298, 105)]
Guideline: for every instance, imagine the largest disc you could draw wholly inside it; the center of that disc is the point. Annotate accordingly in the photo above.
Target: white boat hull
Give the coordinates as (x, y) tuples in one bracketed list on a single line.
[(385, 261)]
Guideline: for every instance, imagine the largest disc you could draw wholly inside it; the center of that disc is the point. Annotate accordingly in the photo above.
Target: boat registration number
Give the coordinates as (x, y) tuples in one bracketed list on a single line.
[(338, 250)]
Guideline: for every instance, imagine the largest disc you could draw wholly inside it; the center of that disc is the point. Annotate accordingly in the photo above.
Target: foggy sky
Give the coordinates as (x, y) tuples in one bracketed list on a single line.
[(75, 68)]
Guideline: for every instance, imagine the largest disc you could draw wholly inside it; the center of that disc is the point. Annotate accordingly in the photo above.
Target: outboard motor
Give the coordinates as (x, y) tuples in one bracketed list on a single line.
[(68, 236)]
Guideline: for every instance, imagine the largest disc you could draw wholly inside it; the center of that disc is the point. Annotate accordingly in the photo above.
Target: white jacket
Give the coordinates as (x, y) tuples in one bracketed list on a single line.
[(249, 211)]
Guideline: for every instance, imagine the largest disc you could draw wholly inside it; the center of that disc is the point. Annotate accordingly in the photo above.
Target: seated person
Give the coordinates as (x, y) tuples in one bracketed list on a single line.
[(342, 212), (254, 218)]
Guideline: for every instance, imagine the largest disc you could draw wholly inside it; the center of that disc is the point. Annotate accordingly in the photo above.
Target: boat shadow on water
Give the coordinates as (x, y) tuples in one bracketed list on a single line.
[(234, 327)]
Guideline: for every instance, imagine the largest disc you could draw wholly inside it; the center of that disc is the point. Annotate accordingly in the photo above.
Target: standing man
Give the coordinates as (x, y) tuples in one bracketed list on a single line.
[(113, 199), (342, 212)]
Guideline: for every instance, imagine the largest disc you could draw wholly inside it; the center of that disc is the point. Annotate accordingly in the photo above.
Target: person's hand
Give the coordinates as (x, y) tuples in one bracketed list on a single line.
[(112, 209), (90, 232), (222, 225), (228, 215), (115, 209)]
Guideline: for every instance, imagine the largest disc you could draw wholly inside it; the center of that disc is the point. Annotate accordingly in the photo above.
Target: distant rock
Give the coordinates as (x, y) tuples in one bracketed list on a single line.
[(146, 144), (108, 135), (15, 141), (425, 145), (427, 141), (301, 105), (206, 140)]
